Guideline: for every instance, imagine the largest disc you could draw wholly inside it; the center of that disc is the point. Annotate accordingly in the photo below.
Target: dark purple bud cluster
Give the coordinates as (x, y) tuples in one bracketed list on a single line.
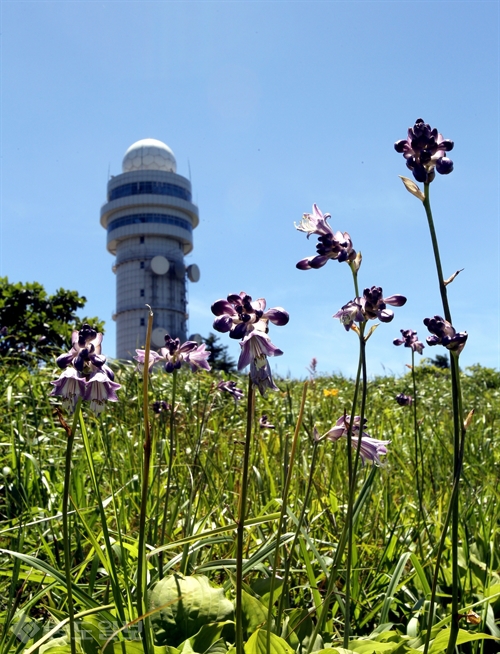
[(424, 151), (264, 422), (160, 406), (410, 340), (443, 333), (331, 245), (371, 306), (404, 400)]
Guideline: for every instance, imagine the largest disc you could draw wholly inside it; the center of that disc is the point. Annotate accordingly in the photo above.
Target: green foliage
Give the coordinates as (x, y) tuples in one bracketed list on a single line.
[(37, 324), (219, 358), (185, 604)]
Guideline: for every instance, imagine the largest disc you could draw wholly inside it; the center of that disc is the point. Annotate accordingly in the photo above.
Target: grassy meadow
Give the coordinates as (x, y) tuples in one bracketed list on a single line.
[(192, 507)]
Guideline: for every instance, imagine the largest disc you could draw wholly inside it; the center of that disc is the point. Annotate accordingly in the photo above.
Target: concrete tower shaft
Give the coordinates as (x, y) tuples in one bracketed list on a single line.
[(149, 218)]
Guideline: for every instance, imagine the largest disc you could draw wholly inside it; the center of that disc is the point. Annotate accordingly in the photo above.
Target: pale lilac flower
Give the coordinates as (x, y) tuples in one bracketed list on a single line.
[(85, 373), (370, 306), (231, 388), (248, 320), (443, 333), (70, 386), (370, 449), (174, 354), (404, 400), (100, 389), (425, 151), (410, 340), (264, 422), (331, 245)]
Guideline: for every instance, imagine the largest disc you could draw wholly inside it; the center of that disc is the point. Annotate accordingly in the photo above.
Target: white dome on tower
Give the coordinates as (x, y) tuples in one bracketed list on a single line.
[(149, 154)]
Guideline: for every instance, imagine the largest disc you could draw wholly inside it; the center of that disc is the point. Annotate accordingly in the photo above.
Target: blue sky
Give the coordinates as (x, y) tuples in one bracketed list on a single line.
[(272, 106)]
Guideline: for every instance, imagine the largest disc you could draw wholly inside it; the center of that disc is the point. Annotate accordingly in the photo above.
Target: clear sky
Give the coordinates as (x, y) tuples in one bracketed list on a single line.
[(272, 106)]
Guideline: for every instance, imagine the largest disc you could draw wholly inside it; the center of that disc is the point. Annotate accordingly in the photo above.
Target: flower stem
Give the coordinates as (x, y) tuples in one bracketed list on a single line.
[(458, 438), (281, 522), (141, 554), (241, 518), (171, 445), (66, 536)]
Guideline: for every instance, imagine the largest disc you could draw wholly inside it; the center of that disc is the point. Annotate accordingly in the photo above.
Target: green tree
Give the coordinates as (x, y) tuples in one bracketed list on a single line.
[(33, 323), (219, 358)]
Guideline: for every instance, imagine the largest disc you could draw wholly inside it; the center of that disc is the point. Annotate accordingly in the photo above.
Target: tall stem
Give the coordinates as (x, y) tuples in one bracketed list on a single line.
[(458, 436), (283, 514), (141, 555), (171, 445), (241, 519), (66, 535)]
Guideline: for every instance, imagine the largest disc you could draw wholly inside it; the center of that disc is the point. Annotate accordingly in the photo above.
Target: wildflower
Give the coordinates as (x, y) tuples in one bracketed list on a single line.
[(85, 373), (174, 354), (160, 406), (330, 392), (231, 388), (424, 151), (248, 320), (443, 333), (264, 423), (331, 245), (370, 449), (368, 307), (404, 400), (410, 340)]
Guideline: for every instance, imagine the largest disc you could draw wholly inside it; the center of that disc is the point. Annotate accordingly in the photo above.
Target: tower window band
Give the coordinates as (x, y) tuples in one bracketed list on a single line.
[(139, 218), (157, 188)]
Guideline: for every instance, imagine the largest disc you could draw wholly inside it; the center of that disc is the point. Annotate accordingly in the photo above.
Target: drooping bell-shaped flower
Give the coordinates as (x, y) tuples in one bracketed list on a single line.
[(443, 333), (371, 449)]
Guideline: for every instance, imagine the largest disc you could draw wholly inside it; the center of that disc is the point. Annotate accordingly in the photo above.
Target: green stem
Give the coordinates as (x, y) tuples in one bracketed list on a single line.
[(283, 514), (241, 519), (171, 445), (141, 554), (458, 437), (65, 526)]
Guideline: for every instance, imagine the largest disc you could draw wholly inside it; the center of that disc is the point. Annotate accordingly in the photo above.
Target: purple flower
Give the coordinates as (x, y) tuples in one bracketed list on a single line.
[(370, 306), (264, 423), (331, 245), (370, 449), (424, 151), (443, 333), (231, 388), (410, 340), (160, 406), (248, 320), (100, 389), (85, 373), (404, 400), (70, 386), (174, 354)]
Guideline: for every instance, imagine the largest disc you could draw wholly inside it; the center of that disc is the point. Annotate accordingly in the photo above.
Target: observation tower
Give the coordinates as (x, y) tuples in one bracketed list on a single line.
[(149, 218)]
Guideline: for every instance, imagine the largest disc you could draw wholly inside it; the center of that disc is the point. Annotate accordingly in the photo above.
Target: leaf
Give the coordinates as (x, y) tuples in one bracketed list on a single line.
[(440, 643), (412, 188), (257, 644), (183, 605), (254, 612)]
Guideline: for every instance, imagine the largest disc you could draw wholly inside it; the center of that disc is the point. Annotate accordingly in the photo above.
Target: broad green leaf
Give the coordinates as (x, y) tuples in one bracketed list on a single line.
[(254, 613), (257, 644), (440, 643), (184, 605)]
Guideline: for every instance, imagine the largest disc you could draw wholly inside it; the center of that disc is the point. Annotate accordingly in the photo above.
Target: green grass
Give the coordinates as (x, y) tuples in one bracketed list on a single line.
[(396, 538)]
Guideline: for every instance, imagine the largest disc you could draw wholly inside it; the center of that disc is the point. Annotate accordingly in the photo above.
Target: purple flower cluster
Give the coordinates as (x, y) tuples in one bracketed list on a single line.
[(231, 388), (248, 320), (410, 340), (404, 400), (372, 305), (443, 333), (331, 245), (425, 151), (86, 374), (370, 449), (174, 355)]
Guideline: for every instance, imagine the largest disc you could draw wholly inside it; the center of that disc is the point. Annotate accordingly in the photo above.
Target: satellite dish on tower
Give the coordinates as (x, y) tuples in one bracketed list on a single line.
[(193, 273), (159, 265)]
